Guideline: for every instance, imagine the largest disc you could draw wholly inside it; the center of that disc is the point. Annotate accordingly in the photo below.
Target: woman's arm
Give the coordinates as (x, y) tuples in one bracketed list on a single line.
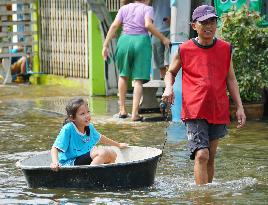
[(108, 141), (112, 30)]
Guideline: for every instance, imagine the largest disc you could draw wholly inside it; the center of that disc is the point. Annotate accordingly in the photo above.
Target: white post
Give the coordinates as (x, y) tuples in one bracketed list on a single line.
[(180, 19), (179, 32)]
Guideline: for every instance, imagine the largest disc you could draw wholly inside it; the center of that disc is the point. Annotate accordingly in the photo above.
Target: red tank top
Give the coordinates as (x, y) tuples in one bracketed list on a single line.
[(204, 74)]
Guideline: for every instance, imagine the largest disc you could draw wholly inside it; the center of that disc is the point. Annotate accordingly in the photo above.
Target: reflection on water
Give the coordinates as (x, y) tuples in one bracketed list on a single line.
[(31, 118)]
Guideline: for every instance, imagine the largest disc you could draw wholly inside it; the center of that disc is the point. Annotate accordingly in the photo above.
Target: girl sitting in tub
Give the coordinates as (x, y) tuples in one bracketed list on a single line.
[(75, 144)]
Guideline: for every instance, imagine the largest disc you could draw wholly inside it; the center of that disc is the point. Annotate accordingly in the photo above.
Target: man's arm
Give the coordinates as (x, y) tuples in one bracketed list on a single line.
[(174, 67), (233, 88)]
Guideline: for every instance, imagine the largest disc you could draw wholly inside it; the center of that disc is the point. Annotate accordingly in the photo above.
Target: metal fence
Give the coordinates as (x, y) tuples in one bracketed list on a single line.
[(113, 5)]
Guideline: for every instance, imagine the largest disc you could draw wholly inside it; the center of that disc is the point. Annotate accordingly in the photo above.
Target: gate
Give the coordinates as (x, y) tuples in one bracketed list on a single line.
[(63, 37), (113, 5)]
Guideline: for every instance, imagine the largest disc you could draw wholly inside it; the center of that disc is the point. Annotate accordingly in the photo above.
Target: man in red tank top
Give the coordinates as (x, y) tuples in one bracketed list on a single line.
[(207, 73)]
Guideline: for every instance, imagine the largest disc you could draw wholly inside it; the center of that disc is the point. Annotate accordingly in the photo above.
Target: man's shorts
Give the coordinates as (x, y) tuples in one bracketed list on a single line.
[(133, 56), (160, 52), (200, 133), (16, 67)]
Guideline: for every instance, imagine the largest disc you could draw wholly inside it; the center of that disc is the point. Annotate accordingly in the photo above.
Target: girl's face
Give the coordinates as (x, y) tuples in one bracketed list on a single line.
[(82, 117), (206, 29)]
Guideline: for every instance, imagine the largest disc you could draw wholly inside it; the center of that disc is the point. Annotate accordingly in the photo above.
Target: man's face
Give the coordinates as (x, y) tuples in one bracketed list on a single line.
[(205, 29)]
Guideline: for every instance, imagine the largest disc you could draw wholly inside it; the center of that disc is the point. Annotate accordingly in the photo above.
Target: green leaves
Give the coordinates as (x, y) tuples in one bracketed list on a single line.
[(250, 51)]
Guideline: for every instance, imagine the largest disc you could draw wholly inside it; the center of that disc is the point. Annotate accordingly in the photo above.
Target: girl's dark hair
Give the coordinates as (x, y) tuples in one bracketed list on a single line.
[(71, 110), (72, 107)]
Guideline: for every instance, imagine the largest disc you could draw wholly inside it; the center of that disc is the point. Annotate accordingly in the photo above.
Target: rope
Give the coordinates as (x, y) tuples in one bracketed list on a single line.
[(166, 112)]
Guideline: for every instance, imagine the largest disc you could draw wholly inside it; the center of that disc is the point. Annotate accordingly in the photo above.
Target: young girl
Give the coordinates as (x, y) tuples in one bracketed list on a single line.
[(75, 144), (134, 50)]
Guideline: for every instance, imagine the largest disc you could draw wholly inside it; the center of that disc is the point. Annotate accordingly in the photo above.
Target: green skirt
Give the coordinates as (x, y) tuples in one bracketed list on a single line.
[(133, 56)]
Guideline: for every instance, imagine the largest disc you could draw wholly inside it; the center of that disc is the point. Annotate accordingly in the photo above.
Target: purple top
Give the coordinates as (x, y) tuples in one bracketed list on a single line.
[(133, 17)]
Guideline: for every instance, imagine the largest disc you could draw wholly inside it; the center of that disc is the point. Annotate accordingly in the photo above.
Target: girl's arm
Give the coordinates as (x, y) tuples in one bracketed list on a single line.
[(150, 26), (54, 156), (108, 141), (112, 30)]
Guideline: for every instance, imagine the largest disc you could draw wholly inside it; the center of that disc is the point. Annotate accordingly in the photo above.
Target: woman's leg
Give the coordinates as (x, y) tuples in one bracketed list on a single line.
[(136, 98), (103, 156), (122, 89)]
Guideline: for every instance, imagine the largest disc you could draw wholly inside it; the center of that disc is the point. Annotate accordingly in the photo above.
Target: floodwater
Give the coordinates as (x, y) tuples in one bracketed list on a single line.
[(30, 121)]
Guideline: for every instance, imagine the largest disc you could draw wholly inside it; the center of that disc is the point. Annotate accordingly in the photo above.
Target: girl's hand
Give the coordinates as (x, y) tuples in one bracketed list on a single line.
[(54, 166), (123, 145)]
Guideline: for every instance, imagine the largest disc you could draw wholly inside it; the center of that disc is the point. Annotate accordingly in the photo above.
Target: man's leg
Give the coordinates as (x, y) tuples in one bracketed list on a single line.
[(158, 56), (23, 66), (212, 153), (122, 89), (198, 143), (136, 98), (15, 68), (200, 166)]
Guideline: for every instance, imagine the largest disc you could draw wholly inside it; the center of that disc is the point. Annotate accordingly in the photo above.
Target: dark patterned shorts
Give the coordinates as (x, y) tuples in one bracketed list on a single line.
[(200, 133)]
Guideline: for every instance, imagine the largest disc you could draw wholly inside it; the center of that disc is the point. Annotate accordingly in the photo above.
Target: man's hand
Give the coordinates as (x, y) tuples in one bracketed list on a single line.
[(168, 95), (241, 117), (166, 42), (167, 20)]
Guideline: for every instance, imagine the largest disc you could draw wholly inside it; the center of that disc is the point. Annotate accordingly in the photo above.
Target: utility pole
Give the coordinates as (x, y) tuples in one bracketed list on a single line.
[(179, 32), (180, 19)]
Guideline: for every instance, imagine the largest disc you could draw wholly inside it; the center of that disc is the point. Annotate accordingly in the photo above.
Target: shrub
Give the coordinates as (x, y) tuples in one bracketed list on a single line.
[(250, 51)]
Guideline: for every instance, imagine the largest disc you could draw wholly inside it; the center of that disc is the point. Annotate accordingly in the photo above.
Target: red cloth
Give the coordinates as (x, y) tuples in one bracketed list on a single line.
[(204, 74)]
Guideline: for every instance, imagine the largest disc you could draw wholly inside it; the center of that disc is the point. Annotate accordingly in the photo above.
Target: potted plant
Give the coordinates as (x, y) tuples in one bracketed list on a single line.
[(250, 55)]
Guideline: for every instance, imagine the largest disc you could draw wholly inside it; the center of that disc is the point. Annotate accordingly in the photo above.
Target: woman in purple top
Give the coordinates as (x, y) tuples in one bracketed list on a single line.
[(134, 50)]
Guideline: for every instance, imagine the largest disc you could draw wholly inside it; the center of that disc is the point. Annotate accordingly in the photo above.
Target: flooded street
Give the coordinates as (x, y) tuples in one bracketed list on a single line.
[(30, 119)]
